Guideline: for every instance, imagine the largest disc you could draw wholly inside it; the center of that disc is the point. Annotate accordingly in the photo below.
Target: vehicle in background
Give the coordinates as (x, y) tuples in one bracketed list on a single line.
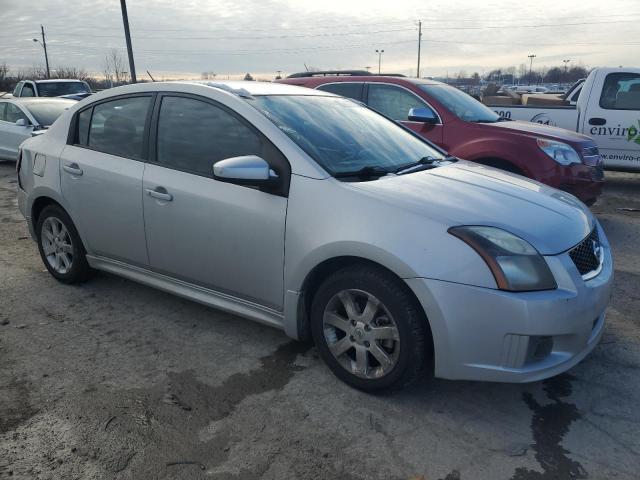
[(466, 128), (606, 106), (530, 89), (317, 215), (20, 118), (72, 89)]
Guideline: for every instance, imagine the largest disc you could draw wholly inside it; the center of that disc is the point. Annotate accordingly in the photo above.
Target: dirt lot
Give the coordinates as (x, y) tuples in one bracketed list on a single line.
[(114, 380)]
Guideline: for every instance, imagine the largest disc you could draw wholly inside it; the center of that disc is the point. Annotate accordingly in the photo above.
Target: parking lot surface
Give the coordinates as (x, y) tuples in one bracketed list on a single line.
[(114, 380)]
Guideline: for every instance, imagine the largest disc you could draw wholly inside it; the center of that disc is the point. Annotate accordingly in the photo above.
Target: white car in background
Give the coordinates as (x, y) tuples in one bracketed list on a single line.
[(19, 118)]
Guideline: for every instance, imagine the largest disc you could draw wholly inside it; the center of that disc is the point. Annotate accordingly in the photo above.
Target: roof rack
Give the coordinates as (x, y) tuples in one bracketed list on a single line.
[(341, 73), (331, 73)]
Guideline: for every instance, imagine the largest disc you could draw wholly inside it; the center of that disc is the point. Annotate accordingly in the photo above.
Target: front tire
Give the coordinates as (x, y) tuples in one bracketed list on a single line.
[(60, 246), (369, 330)]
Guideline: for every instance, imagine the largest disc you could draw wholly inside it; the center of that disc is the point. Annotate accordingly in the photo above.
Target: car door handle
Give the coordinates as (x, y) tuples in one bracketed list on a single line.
[(73, 169), (160, 193), (597, 121)]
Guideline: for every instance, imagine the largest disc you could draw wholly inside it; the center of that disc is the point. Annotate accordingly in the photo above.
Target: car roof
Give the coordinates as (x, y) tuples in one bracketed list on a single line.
[(241, 87), (59, 80), (319, 80), (26, 101)]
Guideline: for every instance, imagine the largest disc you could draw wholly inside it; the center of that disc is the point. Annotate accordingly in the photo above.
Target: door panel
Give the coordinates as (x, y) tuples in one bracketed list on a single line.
[(222, 236), (104, 194), (613, 119), (428, 131)]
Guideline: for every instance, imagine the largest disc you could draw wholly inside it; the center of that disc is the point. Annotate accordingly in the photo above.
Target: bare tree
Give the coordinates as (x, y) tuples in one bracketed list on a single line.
[(114, 68), (70, 72)]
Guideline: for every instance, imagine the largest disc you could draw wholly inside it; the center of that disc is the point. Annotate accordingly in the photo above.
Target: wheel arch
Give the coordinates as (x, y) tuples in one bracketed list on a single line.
[(327, 267)]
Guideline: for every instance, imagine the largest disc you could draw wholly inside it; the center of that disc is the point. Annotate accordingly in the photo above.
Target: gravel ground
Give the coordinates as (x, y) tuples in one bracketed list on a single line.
[(114, 380)]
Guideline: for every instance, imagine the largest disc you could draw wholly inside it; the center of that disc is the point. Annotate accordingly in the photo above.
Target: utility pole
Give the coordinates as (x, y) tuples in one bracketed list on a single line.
[(566, 64), (44, 45), (379, 52), (531, 57), (127, 35), (419, 42)]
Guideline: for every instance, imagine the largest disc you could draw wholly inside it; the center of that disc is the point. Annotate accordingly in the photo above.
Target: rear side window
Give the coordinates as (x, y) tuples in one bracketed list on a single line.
[(117, 127), (621, 91), (84, 118), (3, 109), (392, 101), (344, 89), (27, 90), (193, 135)]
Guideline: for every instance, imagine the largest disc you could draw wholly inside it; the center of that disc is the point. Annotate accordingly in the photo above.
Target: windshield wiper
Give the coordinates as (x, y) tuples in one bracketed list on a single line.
[(423, 163), (364, 172)]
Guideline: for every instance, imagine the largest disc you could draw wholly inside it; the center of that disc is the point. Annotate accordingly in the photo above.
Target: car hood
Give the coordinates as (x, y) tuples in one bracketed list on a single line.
[(466, 193), (540, 130)]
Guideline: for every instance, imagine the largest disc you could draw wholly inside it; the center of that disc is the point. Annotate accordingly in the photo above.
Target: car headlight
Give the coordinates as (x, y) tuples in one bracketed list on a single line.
[(514, 263), (561, 152)]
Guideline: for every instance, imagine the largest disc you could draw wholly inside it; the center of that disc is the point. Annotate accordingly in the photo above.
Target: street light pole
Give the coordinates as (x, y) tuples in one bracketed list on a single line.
[(379, 52), (127, 35), (531, 57), (44, 45)]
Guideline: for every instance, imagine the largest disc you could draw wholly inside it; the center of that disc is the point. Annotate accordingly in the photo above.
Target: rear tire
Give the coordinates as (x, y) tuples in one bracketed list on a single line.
[(60, 246), (369, 330)]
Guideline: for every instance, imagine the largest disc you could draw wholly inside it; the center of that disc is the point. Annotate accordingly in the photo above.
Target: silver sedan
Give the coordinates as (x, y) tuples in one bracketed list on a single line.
[(20, 118), (316, 215)]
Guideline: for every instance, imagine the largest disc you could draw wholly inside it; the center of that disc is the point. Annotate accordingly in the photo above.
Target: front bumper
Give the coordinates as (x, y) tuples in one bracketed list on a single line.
[(493, 335)]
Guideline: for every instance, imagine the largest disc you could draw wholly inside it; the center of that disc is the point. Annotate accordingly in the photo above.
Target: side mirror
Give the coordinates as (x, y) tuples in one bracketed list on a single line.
[(246, 170), (21, 122), (423, 115)]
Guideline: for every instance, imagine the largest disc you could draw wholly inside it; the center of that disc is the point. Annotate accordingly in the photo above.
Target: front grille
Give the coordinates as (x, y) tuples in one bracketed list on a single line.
[(586, 255)]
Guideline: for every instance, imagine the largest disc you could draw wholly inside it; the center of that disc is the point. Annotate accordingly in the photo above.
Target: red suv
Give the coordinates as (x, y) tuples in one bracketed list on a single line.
[(467, 129)]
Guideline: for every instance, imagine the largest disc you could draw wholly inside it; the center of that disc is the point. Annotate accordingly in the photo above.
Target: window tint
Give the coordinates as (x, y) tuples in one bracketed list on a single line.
[(193, 135), (84, 118), (13, 114), (27, 90), (394, 102), (57, 89), (345, 89), (117, 127), (3, 107), (621, 91)]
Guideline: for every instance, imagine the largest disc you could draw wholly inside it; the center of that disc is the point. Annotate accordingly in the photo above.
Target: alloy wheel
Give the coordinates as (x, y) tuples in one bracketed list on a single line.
[(361, 334), (57, 245)]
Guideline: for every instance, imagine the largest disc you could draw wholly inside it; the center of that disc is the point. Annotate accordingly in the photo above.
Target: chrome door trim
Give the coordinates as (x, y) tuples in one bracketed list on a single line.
[(205, 296)]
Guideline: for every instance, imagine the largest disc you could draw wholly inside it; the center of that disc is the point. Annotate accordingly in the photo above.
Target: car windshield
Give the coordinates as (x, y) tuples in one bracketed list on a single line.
[(342, 135), (57, 89), (47, 112), (461, 104)]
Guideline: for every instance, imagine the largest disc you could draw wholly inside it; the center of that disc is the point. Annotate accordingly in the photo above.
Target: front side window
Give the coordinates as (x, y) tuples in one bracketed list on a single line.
[(461, 104), (344, 89), (27, 90), (392, 101), (117, 127), (621, 91), (193, 135), (341, 135), (14, 113)]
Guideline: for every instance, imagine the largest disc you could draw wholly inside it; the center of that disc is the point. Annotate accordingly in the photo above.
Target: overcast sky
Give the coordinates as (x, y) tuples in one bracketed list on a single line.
[(184, 38)]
